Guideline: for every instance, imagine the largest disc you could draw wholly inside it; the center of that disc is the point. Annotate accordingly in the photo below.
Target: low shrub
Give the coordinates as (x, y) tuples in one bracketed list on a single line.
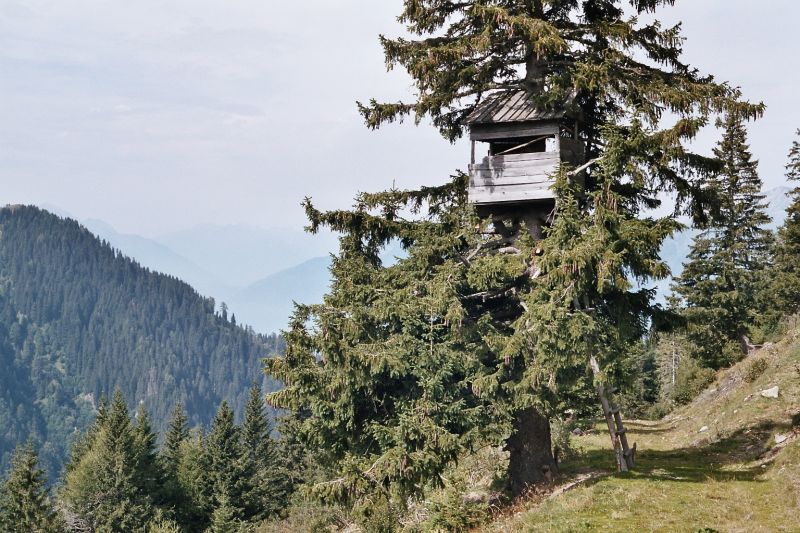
[(754, 369), (306, 516), (561, 438), (690, 381), (658, 410), (453, 513)]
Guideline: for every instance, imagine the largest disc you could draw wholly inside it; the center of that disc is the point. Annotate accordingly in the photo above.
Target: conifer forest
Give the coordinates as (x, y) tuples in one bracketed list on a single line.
[(506, 348)]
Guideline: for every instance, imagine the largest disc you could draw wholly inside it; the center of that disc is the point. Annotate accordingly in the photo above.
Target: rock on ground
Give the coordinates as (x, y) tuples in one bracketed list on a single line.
[(770, 393)]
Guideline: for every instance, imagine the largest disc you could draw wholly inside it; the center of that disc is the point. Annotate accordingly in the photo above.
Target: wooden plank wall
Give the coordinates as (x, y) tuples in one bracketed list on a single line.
[(513, 178)]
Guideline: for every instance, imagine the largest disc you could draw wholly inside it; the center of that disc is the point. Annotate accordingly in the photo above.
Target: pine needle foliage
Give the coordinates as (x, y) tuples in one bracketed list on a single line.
[(405, 367), (24, 500), (386, 360), (194, 504), (103, 489), (177, 432), (267, 494), (149, 472), (457, 52), (170, 457), (230, 470), (785, 287), (725, 270), (225, 518)]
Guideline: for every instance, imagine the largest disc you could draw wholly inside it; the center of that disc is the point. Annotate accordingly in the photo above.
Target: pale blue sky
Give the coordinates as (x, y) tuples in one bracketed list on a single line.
[(160, 115)]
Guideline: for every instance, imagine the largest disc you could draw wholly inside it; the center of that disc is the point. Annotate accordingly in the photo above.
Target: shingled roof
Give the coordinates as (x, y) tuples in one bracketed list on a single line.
[(514, 105)]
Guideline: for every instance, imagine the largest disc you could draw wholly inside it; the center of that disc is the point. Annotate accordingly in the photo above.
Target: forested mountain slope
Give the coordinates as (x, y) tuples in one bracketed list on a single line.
[(160, 258), (78, 319)]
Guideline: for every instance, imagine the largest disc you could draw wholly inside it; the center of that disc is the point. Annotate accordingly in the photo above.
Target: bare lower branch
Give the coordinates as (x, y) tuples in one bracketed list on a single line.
[(583, 167)]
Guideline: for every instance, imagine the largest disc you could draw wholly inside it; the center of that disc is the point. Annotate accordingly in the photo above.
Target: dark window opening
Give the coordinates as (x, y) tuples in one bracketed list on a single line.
[(523, 145)]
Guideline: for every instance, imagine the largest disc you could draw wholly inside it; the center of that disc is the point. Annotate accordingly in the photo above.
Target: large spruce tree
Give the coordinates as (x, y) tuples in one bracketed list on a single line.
[(225, 518), (170, 458), (784, 291), (464, 342), (727, 261), (149, 470), (177, 433)]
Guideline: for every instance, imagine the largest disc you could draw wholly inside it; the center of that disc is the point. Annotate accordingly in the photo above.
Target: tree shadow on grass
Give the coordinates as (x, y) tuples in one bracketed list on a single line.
[(648, 429), (721, 460)]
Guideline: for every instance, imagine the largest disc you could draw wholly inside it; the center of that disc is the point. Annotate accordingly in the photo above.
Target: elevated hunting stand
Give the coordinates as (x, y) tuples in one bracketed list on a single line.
[(524, 145)]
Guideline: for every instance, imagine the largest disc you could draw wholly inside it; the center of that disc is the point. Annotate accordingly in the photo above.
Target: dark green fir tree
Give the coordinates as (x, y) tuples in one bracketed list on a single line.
[(102, 491), (170, 458), (465, 341), (149, 473), (24, 500), (230, 471), (194, 503), (296, 464), (170, 453), (177, 433), (784, 292), (266, 497), (225, 518), (727, 262)]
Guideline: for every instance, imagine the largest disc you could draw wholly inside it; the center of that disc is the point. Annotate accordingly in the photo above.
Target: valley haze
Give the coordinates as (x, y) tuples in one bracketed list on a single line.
[(259, 273)]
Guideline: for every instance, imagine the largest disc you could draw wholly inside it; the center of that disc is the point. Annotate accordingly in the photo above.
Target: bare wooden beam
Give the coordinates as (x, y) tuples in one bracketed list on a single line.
[(523, 145), (509, 250), (622, 464), (583, 167)]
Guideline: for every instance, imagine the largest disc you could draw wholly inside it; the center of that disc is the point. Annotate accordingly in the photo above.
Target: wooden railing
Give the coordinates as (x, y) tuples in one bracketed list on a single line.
[(513, 177)]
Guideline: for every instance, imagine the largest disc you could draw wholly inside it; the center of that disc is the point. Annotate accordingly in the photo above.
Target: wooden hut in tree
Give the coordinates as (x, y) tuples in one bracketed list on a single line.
[(517, 147)]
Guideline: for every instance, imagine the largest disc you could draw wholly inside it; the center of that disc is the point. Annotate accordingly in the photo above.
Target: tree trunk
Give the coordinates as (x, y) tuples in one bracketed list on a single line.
[(531, 459), (534, 76)]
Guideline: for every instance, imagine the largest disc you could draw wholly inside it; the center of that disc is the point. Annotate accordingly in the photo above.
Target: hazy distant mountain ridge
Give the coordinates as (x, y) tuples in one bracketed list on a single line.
[(160, 258), (78, 319), (304, 283), (240, 256), (258, 273)]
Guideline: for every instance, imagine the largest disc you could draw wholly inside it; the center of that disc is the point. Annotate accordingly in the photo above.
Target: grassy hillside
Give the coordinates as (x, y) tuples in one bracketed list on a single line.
[(720, 463), (727, 462)]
